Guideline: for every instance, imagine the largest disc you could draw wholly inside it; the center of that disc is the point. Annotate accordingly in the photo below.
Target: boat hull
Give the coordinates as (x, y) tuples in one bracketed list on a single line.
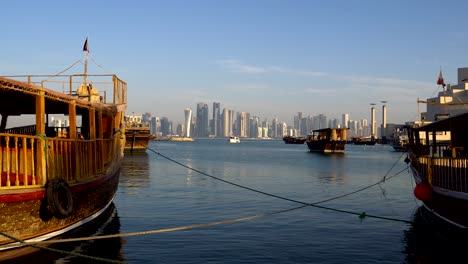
[(294, 140), (29, 219), (326, 146), (137, 141), (448, 205), (399, 148), (367, 143)]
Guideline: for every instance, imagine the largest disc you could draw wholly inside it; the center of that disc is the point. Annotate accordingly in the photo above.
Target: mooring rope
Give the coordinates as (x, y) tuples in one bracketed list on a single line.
[(361, 215), (384, 178), (35, 245)]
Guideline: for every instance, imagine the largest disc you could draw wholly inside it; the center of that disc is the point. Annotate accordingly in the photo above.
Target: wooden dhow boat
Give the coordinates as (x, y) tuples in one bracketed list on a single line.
[(137, 134), (327, 140), (294, 140), (55, 179), (368, 141), (438, 154)]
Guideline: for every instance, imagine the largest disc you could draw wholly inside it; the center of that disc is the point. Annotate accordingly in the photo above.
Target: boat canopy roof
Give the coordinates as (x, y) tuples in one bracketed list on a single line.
[(328, 129), (13, 91), (457, 122)]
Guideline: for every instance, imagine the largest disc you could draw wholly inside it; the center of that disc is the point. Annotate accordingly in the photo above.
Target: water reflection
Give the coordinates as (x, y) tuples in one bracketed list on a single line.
[(134, 172), (111, 249), (430, 240), (333, 166)]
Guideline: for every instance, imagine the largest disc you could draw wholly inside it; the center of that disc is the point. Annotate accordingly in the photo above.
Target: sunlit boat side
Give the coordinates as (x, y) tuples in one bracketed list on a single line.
[(327, 140), (56, 179)]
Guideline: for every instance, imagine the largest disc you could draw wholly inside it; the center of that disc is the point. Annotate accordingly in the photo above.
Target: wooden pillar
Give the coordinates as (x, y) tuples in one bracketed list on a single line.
[(92, 137), (345, 134), (71, 85), (100, 132), (72, 134), (333, 135), (428, 146), (115, 93), (100, 135), (41, 143), (434, 143), (92, 124), (72, 120)]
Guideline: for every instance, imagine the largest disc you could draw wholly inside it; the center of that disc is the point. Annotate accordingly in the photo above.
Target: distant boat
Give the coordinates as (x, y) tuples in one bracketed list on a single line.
[(182, 139), (327, 140), (370, 141), (294, 140), (55, 179), (438, 155), (233, 139), (400, 142), (137, 134)]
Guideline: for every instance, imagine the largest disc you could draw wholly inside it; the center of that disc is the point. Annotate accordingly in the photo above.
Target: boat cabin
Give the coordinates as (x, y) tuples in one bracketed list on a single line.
[(445, 138), (33, 149), (335, 134)]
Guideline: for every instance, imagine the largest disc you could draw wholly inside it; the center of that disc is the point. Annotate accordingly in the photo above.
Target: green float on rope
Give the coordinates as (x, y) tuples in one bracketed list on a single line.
[(362, 215)]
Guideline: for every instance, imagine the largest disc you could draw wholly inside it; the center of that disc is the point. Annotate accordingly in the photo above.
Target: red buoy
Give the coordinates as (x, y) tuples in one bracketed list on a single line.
[(423, 191)]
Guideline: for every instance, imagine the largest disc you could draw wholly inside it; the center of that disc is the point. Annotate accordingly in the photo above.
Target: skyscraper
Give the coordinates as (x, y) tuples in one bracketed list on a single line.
[(231, 122), (165, 126), (320, 121), (297, 122), (303, 126), (345, 120), (187, 122), (216, 129), (254, 127), (226, 121), (202, 120), (274, 127), (242, 119)]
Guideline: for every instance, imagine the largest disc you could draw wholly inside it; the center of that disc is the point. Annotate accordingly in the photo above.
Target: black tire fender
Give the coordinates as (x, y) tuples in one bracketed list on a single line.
[(59, 198)]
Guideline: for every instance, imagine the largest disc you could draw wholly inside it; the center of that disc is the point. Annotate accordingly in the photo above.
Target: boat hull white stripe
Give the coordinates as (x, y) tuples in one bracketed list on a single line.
[(59, 232)]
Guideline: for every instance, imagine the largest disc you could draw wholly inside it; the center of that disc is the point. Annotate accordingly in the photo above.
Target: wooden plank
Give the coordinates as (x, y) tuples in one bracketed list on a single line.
[(40, 130)]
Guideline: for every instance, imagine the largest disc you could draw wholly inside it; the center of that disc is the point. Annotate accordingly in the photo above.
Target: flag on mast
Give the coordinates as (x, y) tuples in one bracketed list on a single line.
[(85, 46), (440, 81)]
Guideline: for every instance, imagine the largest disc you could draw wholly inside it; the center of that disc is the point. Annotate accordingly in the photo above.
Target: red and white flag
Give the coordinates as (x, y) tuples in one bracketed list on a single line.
[(440, 81)]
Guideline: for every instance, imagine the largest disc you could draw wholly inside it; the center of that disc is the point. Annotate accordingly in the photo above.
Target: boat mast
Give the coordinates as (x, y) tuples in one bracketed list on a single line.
[(86, 51)]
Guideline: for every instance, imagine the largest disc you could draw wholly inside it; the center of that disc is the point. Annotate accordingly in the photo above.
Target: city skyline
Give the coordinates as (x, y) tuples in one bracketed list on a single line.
[(228, 122), (268, 57), (289, 120)]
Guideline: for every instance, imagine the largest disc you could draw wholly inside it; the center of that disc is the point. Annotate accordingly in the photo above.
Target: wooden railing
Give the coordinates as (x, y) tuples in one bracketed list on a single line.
[(24, 130), (72, 160), (447, 173), (112, 90), (18, 165)]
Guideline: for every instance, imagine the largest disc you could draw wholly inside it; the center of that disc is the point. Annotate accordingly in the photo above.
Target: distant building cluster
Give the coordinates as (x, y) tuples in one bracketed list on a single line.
[(218, 123)]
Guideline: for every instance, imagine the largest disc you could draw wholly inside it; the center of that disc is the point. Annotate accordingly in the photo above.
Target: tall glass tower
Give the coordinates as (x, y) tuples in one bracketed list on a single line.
[(216, 129), (187, 122), (202, 120)]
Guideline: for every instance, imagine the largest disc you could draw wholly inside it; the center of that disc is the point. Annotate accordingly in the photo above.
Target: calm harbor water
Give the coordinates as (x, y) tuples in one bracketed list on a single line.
[(156, 193)]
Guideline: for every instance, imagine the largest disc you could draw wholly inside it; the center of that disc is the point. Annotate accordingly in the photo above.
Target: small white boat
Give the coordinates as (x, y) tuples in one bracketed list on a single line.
[(234, 140)]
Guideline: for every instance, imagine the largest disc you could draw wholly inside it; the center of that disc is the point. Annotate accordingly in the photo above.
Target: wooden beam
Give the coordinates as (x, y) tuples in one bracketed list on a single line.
[(72, 120), (92, 137), (72, 134), (40, 130)]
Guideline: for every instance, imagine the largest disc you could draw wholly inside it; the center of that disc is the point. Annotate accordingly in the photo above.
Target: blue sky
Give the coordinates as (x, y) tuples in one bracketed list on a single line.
[(269, 58)]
